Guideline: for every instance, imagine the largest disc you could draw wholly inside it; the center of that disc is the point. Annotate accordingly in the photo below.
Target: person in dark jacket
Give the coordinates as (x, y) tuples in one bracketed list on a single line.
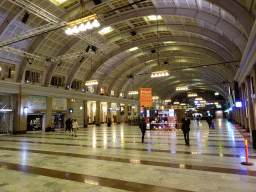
[(109, 122), (143, 127), (186, 129), (209, 121), (68, 125)]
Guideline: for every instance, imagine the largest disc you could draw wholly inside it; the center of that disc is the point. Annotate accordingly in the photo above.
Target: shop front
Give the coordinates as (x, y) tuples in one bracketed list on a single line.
[(36, 112)]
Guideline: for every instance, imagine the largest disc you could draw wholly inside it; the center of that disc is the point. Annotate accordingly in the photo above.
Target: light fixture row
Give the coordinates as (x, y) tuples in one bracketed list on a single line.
[(181, 88), (160, 73), (133, 92), (92, 82), (82, 25)]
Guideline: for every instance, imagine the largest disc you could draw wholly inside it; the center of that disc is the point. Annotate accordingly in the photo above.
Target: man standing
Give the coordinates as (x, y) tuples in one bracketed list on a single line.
[(143, 127), (186, 129)]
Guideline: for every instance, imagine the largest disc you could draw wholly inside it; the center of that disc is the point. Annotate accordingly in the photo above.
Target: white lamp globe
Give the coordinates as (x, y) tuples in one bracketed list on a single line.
[(82, 27), (75, 29), (89, 25), (69, 31), (95, 23)]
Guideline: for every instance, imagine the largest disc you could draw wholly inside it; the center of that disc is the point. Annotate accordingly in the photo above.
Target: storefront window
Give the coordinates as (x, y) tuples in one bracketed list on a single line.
[(6, 113)]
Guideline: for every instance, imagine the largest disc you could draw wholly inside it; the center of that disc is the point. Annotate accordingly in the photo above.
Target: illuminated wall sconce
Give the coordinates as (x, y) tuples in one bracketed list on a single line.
[(81, 108), (216, 93), (181, 88), (26, 109), (133, 93), (160, 73), (92, 82)]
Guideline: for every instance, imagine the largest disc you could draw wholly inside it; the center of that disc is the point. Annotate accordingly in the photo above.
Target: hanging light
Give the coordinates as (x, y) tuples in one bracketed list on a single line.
[(75, 29), (79, 25), (82, 27), (133, 92), (69, 31), (160, 73), (92, 82), (95, 23), (192, 95), (181, 88), (89, 25)]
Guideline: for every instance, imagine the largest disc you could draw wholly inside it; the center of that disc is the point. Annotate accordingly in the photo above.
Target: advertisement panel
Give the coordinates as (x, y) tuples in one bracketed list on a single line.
[(145, 97)]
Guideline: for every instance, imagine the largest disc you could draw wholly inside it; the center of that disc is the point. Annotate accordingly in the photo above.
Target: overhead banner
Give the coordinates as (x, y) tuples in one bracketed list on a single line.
[(145, 97)]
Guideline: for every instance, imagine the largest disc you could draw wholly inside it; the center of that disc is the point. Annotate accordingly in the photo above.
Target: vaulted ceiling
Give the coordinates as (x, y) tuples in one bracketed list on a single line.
[(201, 41)]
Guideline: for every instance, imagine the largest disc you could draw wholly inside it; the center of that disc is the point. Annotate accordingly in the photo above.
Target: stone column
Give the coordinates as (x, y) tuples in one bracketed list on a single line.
[(138, 111), (97, 120), (126, 113), (68, 107), (109, 112), (118, 114), (244, 117), (20, 114), (132, 113), (250, 104), (85, 114), (48, 111)]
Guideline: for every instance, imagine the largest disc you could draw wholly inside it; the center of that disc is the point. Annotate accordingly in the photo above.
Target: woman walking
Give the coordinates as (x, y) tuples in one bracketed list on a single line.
[(75, 127)]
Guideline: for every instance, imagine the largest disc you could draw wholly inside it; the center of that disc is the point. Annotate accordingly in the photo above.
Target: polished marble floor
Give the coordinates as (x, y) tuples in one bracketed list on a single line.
[(114, 159)]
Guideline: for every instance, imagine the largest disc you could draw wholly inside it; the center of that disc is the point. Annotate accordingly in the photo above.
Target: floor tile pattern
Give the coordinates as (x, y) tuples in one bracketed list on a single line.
[(114, 159)]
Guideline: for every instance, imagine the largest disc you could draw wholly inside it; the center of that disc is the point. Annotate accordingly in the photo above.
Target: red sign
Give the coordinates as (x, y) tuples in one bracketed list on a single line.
[(145, 97)]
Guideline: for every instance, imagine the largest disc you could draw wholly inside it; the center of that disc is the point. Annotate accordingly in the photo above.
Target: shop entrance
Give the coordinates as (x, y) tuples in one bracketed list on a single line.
[(58, 120), (34, 122)]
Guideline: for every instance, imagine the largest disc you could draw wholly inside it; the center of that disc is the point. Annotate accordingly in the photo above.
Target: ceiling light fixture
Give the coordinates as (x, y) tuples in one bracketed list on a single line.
[(81, 25), (133, 93), (105, 30), (155, 97), (199, 99), (176, 103), (159, 73), (192, 95), (181, 88), (133, 49), (91, 82)]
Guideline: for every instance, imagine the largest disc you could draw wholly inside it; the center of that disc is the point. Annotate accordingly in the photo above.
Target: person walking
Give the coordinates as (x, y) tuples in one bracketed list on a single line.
[(75, 127), (68, 125), (209, 121), (186, 128), (143, 127)]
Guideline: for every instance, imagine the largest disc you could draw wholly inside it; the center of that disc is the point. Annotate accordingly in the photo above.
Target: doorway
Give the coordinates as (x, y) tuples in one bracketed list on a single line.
[(34, 122), (58, 120)]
